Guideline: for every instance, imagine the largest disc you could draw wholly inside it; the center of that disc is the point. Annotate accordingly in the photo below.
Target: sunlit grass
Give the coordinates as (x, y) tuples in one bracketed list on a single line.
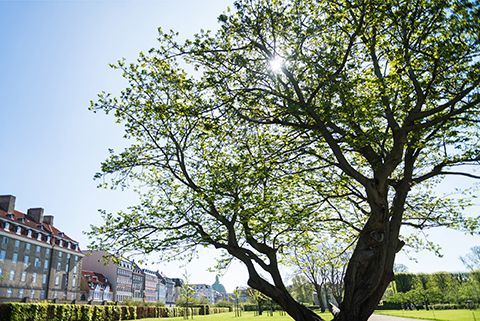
[(440, 315), (246, 316)]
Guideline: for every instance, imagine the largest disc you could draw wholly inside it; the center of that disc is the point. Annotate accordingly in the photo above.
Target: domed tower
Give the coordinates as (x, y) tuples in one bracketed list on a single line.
[(217, 286)]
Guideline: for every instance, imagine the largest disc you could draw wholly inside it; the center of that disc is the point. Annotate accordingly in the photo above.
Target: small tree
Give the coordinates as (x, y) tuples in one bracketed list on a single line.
[(259, 299), (187, 296), (472, 259), (323, 263)]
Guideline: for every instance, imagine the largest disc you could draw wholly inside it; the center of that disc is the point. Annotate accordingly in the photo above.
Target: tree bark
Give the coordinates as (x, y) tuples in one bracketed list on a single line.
[(370, 269)]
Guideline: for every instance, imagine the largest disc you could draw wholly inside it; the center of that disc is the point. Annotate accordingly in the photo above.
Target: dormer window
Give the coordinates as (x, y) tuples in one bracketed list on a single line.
[(10, 216), (48, 238), (61, 234), (19, 230), (39, 236), (6, 227), (21, 219), (29, 233)]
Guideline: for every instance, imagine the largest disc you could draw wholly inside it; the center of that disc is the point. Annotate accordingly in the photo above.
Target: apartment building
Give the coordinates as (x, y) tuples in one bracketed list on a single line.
[(119, 272), (37, 260), (150, 285), (161, 288), (95, 287), (138, 282), (204, 291)]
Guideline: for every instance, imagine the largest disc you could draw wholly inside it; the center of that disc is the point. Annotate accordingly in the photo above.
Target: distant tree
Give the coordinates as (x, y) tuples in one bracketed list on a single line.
[(301, 289), (323, 263), (400, 268), (315, 115), (472, 259), (258, 298)]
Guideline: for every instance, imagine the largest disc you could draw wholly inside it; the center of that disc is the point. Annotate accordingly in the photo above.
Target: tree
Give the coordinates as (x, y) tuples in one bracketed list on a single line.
[(323, 264), (472, 259), (301, 289), (400, 268), (302, 115), (187, 296), (259, 298)]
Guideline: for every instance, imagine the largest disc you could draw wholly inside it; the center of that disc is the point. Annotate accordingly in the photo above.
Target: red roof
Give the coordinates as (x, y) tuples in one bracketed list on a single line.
[(21, 219), (94, 278)]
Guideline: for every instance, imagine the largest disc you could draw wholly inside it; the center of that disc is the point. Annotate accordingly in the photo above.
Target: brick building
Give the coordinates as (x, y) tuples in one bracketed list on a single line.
[(37, 260)]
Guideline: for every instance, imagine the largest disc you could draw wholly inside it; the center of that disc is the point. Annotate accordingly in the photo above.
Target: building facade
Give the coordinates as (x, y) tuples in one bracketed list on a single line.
[(204, 292), (95, 287), (37, 260), (150, 285), (161, 288), (118, 273), (138, 280)]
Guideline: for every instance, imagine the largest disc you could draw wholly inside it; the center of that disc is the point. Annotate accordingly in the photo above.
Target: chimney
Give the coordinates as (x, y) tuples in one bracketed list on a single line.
[(48, 219), (35, 214), (7, 203)]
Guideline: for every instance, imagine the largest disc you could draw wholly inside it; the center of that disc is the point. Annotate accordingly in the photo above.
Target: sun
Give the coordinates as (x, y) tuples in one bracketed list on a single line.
[(276, 64)]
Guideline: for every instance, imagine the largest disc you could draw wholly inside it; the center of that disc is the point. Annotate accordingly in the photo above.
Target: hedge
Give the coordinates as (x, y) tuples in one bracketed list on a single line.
[(72, 312)]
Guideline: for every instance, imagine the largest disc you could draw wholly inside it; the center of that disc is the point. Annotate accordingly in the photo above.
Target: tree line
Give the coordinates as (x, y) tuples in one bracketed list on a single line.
[(410, 290)]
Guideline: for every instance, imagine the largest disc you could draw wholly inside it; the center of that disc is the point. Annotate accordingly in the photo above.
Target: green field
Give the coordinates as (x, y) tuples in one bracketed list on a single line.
[(246, 316), (440, 315)]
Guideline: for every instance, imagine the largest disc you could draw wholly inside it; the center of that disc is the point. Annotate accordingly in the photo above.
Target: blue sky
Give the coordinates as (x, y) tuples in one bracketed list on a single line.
[(54, 58)]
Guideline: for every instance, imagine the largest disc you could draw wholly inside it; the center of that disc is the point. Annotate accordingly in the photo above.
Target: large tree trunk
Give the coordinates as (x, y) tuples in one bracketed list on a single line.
[(370, 269)]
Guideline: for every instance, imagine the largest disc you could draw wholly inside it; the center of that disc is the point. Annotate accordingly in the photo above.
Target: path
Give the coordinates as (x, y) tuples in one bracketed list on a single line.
[(377, 317)]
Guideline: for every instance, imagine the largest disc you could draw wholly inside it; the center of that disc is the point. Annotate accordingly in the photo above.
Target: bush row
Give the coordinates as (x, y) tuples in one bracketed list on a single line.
[(71, 312)]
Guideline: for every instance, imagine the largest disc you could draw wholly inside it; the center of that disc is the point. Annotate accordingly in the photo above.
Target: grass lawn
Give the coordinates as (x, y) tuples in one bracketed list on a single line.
[(440, 315), (246, 316)]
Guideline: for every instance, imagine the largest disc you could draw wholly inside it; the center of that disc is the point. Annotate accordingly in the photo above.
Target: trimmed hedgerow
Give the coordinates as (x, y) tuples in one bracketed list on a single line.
[(72, 312)]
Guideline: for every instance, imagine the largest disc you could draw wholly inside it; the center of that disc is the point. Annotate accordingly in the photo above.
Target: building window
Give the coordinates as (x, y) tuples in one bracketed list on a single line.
[(60, 254), (57, 280), (5, 240), (42, 295), (75, 269), (44, 279), (32, 294), (37, 262), (9, 292), (3, 254), (34, 278), (27, 247), (15, 258), (20, 293), (47, 252), (74, 281), (26, 259), (59, 266), (12, 275), (23, 278), (17, 244), (45, 265), (37, 249)]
